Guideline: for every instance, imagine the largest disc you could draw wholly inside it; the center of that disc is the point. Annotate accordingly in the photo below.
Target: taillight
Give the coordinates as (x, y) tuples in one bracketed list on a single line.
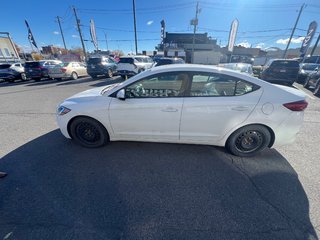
[(297, 106), (63, 70)]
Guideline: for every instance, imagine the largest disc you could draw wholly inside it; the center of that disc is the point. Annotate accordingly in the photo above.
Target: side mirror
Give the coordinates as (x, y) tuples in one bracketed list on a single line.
[(121, 95)]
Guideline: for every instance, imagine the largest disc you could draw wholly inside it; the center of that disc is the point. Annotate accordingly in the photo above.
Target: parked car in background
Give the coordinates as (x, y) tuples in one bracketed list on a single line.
[(312, 59), (71, 70), (305, 70), (39, 69), (12, 71), (105, 66), (167, 61), (280, 71), (240, 67), (186, 103), (131, 65), (257, 70), (313, 81)]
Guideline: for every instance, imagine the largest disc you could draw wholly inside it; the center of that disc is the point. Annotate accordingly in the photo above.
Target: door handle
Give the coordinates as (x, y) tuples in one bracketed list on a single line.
[(240, 108), (169, 109)]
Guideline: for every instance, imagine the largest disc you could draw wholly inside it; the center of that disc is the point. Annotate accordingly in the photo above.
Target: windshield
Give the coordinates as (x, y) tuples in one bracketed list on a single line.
[(32, 64), (310, 67)]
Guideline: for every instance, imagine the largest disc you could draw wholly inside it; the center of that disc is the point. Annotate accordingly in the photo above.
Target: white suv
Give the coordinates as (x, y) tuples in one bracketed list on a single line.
[(132, 65)]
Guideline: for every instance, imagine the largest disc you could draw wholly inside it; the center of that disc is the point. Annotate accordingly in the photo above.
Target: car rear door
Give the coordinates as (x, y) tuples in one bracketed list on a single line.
[(215, 104), (151, 109)]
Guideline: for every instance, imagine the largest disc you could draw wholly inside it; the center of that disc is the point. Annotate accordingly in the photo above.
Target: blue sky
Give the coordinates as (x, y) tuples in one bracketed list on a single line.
[(264, 23)]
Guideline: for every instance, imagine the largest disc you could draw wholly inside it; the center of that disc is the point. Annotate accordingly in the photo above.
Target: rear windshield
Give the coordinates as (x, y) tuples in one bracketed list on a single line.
[(32, 64), (94, 60), (126, 60), (285, 64), (164, 62), (5, 66)]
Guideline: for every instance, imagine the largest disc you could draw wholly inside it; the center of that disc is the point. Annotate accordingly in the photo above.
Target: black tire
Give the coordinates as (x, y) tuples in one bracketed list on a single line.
[(74, 76), (248, 140), (93, 76), (306, 83), (109, 73), (23, 76), (11, 80), (88, 132), (37, 79), (316, 91), (58, 79)]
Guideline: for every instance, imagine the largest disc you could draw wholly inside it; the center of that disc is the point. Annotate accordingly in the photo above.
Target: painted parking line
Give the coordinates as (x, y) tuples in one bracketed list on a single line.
[(304, 90)]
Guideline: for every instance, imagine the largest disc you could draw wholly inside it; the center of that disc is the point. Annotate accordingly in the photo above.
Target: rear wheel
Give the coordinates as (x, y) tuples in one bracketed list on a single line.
[(316, 91), (249, 140), (306, 83), (74, 76), (23, 77), (88, 132)]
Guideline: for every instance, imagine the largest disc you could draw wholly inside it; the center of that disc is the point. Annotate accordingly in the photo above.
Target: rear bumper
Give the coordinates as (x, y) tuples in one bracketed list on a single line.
[(59, 75), (126, 72)]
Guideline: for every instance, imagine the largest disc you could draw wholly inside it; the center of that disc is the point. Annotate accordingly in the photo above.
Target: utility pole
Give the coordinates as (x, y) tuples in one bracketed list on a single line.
[(64, 42), (294, 28), (315, 45), (80, 34), (135, 25), (106, 37), (194, 22)]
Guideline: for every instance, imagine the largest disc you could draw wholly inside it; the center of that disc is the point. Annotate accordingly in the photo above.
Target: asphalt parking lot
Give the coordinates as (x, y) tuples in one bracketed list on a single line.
[(133, 190)]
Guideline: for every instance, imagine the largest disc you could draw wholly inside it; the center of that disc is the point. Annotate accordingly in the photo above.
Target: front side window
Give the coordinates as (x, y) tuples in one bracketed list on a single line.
[(215, 85), (159, 86)]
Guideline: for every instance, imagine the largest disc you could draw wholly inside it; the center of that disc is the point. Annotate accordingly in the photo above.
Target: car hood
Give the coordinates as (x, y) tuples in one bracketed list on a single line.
[(92, 93)]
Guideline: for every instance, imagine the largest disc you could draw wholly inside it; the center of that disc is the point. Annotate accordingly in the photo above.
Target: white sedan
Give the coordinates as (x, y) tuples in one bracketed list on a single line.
[(191, 104)]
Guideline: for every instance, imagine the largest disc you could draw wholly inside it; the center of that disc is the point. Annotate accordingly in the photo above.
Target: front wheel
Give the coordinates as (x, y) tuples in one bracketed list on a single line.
[(88, 132), (109, 73), (249, 140)]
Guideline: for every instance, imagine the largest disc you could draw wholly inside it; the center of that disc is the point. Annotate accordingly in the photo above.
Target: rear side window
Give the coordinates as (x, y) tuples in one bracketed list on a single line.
[(126, 60), (216, 85), (285, 64), (32, 64)]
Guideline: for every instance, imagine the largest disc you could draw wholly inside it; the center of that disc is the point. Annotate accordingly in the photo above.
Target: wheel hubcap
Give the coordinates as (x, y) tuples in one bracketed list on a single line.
[(87, 133), (249, 141)]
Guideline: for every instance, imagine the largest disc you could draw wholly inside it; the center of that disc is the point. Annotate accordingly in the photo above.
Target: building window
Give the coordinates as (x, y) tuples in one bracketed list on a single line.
[(7, 52)]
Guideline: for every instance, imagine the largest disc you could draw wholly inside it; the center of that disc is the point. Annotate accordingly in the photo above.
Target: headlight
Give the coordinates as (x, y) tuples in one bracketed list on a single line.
[(63, 110), (302, 71)]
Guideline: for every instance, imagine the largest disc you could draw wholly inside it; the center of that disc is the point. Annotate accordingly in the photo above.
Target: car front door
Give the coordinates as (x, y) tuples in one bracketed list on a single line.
[(215, 104), (151, 109)]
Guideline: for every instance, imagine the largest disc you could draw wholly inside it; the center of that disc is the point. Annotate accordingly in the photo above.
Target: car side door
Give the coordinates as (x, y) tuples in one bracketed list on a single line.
[(215, 104), (151, 109)]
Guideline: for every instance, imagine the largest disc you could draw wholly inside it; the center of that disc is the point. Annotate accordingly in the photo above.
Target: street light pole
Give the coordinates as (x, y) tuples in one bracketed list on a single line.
[(195, 23), (64, 42), (294, 28), (135, 25), (80, 34)]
